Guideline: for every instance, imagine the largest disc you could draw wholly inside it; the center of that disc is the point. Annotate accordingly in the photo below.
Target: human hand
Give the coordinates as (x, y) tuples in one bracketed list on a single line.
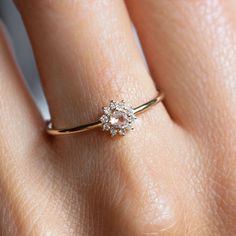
[(175, 173)]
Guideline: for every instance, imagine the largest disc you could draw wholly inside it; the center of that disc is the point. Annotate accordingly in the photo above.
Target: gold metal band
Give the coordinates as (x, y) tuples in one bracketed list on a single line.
[(86, 127)]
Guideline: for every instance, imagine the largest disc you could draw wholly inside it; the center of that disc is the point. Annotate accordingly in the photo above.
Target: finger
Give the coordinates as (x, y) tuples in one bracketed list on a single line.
[(24, 156), (191, 53), (87, 56), (19, 120), (21, 130)]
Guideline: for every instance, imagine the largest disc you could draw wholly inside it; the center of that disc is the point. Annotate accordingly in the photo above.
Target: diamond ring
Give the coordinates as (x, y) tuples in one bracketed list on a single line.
[(117, 118)]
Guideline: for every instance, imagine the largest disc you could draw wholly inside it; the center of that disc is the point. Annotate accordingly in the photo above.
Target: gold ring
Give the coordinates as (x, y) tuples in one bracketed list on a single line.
[(117, 118)]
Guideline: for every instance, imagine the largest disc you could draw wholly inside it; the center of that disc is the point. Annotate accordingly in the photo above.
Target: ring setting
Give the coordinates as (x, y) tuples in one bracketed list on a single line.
[(117, 118)]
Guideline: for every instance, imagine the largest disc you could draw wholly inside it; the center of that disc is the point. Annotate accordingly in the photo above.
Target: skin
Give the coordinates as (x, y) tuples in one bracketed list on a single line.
[(175, 174)]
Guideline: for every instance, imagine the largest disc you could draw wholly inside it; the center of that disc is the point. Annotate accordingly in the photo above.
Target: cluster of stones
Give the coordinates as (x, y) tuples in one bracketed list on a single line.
[(117, 118)]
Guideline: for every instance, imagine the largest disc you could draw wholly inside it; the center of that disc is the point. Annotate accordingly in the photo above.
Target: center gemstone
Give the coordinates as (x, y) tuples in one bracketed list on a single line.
[(119, 119)]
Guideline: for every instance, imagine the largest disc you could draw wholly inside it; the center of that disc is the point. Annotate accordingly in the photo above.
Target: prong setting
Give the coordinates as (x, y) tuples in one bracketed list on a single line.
[(117, 118)]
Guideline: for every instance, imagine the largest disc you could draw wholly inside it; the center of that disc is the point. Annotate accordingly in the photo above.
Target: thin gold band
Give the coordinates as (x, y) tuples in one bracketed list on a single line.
[(96, 124)]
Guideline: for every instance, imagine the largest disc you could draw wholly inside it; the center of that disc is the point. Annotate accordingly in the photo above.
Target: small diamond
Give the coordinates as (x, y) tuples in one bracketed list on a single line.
[(113, 105), (104, 119), (117, 118), (113, 132), (106, 126), (122, 132), (122, 103), (106, 110)]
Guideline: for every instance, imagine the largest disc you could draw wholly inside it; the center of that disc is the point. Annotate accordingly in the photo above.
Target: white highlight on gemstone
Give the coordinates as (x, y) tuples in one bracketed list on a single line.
[(117, 118)]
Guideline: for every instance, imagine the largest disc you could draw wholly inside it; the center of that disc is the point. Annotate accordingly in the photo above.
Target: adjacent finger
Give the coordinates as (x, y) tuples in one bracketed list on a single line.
[(20, 122), (190, 50), (25, 185), (190, 46), (87, 56)]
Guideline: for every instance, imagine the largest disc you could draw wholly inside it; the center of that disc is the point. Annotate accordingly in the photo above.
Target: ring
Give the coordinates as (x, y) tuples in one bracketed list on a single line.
[(117, 118)]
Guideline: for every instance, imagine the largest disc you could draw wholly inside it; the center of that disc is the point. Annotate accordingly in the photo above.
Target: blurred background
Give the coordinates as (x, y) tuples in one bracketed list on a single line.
[(23, 52)]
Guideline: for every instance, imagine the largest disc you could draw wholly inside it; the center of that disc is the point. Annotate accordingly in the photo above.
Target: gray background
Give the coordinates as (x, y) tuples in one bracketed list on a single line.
[(23, 51)]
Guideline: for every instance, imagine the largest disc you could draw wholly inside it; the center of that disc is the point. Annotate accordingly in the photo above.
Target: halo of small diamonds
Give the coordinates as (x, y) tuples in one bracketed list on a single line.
[(117, 118)]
